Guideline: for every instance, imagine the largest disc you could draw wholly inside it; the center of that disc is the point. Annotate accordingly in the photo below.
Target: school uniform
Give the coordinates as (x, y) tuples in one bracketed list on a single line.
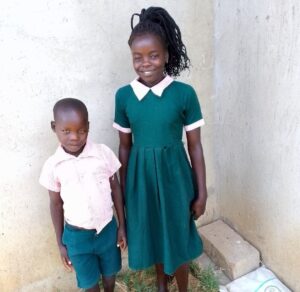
[(90, 233), (160, 185)]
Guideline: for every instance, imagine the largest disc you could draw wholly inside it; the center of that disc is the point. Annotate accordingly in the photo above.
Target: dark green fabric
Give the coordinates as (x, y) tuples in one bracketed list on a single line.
[(159, 184), (92, 254)]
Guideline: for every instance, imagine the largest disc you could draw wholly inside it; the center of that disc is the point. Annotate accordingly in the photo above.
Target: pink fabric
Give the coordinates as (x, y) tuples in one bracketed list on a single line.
[(83, 183)]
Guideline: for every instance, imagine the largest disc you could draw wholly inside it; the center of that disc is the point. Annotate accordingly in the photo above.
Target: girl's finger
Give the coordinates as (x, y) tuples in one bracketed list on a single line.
[(122, 244)]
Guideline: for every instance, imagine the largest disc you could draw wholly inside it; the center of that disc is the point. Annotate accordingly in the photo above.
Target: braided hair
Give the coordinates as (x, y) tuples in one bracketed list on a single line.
[(157, 21)]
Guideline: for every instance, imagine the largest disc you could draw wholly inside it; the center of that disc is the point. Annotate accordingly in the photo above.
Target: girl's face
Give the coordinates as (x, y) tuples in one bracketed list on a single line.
[(71, 129), (149, 57)]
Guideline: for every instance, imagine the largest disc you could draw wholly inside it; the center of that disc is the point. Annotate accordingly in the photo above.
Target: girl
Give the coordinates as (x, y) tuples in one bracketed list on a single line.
[(163, 193)]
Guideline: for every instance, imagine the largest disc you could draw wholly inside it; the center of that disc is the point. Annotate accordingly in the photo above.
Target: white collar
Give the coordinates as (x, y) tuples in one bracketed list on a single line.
[(141, 90)]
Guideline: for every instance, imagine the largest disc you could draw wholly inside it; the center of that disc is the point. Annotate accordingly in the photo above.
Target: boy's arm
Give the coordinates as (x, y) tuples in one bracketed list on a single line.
[(119, 206), (124, 151), (197, 160), (57, 215)]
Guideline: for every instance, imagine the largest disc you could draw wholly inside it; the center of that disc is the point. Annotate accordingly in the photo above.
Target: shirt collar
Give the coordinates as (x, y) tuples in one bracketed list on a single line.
[(88, 150), (141, 90)]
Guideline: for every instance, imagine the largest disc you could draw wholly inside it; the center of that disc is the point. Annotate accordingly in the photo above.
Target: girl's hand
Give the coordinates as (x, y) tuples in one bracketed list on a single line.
[(65, 259), (122, 241), (198, 207)]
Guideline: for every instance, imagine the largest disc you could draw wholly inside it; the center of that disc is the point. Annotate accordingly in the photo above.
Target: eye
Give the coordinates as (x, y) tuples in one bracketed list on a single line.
[(137, 59), (66, 132), (153, 57), (82, 131)]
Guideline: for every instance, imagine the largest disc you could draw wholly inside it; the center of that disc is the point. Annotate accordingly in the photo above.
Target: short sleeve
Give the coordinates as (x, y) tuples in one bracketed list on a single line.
[(121, 122), (112, 162), (192, 111), (47, 178)]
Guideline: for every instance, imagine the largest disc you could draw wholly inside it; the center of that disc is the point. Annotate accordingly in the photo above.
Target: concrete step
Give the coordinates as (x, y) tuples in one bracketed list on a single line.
[(228, 249)]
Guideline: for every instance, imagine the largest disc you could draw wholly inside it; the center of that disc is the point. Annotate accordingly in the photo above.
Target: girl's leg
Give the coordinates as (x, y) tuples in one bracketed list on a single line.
[(109, 283), (162, 280), (96, 288), (182, 277)]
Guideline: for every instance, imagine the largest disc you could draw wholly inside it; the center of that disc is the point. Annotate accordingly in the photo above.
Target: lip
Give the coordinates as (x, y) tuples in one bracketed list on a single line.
[(75, 146), (147, 71)]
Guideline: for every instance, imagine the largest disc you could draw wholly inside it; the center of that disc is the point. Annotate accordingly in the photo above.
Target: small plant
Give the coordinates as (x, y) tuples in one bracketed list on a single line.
[(141, 281), (200, 280), (206, 277)]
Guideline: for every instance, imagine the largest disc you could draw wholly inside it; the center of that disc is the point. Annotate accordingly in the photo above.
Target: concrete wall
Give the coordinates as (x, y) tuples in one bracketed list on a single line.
[(53, 49), (257, 106)]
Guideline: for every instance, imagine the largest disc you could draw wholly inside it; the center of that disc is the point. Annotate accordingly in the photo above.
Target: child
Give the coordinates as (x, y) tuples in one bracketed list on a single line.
[(82, 184), (163, 193)]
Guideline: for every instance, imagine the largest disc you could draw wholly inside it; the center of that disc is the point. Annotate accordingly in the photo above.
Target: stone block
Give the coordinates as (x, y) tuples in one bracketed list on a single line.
[(228, 249)]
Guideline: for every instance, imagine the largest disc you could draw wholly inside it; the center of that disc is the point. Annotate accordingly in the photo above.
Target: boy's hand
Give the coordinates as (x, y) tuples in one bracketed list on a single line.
[(198, 207), (65, 259), (122, 241)]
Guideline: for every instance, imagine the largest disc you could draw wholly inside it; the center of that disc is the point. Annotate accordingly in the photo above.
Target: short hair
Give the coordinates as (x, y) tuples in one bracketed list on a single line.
[(157, 21), (69, 103)]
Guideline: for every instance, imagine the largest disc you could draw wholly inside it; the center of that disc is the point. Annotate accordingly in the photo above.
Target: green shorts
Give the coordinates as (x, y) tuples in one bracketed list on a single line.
[(92, 254)]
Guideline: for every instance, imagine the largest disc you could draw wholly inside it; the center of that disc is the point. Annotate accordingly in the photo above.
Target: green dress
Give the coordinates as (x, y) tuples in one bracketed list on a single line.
[(159, 184)]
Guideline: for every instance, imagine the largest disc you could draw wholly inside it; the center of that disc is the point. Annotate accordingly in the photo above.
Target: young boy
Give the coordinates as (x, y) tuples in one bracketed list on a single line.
[(83, 187)]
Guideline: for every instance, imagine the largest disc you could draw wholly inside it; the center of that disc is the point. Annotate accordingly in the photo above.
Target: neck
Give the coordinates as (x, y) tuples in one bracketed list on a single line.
[(77, 153), (151, 84)]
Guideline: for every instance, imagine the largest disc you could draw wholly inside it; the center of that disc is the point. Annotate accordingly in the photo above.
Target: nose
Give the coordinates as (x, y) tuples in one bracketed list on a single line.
[(146, 62), (74, 136)]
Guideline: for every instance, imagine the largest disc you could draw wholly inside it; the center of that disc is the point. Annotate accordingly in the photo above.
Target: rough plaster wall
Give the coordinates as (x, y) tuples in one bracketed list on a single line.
[(257, 69), (53, 49)]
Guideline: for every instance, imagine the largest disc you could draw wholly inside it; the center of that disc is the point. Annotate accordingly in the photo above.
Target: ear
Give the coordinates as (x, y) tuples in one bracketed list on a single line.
[(53, 126), (88, 126), (167, 57)]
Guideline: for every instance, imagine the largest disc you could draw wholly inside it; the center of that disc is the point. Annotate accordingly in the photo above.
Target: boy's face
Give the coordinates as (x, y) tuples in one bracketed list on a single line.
[(71, 128)]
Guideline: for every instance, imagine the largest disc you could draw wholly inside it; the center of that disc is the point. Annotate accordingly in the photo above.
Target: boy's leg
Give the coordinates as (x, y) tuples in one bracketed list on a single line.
[(80, 251), (162, 278), (109, 254), (182, 277), (109, 283), (96, 288)]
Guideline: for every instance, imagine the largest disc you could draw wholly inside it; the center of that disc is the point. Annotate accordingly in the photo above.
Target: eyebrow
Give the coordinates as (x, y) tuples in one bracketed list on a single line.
[(151, 52)]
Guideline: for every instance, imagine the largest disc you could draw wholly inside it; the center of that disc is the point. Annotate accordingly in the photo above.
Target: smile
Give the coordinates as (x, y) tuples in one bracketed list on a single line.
[(147, 73)]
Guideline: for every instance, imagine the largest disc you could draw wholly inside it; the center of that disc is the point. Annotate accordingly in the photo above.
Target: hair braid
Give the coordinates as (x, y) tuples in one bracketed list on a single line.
[(157, 21)]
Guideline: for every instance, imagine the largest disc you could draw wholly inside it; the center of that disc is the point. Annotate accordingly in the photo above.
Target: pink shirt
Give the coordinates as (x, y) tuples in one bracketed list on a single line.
[(83, 183)]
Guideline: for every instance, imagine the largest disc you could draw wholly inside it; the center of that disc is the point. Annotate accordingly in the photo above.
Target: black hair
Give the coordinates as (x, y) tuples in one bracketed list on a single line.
[(157, 21), (67, 104)]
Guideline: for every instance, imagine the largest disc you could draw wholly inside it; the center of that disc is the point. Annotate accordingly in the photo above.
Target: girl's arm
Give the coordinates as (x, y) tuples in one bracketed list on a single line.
[(57, 215), (197, 160), (119, 206), (124, 151)]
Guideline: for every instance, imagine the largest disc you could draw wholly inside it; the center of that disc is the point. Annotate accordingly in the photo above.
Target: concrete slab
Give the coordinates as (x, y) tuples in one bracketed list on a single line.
[(229, 250)]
